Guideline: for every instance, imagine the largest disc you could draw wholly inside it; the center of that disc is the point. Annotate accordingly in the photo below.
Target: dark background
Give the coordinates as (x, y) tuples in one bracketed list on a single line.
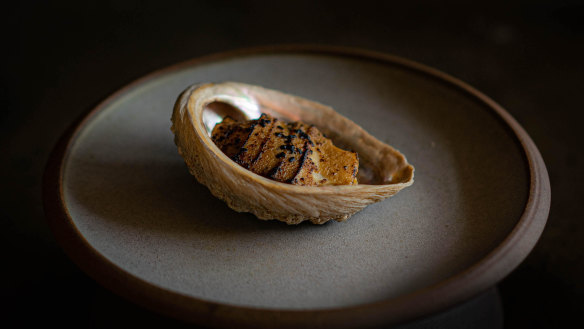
[(59, 59)]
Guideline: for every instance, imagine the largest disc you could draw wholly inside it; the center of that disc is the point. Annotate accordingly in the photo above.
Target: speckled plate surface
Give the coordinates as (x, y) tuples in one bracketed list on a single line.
[(120, 200)]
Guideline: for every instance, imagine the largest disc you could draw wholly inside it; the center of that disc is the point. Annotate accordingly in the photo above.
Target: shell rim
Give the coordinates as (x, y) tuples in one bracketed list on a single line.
[(307, 190), (493, 267)]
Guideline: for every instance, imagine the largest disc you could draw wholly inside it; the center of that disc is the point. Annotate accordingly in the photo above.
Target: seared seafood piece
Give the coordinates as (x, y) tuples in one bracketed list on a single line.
[(293, 153)]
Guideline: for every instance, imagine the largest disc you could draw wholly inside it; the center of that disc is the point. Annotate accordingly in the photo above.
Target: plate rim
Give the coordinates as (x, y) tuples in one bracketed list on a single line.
[(486, 272)]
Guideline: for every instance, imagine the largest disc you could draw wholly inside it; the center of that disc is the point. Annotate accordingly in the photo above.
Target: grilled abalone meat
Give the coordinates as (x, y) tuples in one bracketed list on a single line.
[(254, 173), (294, 153)]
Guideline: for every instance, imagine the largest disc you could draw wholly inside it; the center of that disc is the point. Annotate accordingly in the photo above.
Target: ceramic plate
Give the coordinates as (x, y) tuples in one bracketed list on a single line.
[(122, 203)]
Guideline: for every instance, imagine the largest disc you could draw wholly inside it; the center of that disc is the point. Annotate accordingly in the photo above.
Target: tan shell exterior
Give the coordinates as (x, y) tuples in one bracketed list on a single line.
[(381, 165)]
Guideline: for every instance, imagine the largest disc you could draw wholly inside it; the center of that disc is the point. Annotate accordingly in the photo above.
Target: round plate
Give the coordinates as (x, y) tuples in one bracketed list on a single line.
[(121, 202)]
